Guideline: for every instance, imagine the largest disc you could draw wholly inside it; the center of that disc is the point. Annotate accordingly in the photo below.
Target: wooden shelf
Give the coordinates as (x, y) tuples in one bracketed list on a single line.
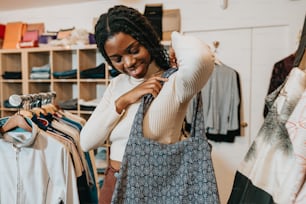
[(59, 59)]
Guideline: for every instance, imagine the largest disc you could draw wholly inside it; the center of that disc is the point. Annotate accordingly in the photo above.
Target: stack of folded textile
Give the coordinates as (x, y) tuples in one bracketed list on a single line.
[(88, 105), (40, 72), (94, 73), (71, 104), (11, 75), (69, 74)]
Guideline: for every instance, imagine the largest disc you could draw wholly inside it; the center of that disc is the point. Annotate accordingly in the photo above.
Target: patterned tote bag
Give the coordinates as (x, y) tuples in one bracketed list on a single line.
[(154, 173)]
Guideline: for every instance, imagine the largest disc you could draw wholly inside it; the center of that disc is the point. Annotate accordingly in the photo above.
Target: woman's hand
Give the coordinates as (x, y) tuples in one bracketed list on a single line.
[(150, 86)]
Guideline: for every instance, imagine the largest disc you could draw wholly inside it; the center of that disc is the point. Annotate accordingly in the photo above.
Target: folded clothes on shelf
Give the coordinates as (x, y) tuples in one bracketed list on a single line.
[(88, 105), (7, 104), (40, 75), (40, 72), (95, 72), (101, 159), (11, 75), (43, 68), (71, 104), (70, 74)]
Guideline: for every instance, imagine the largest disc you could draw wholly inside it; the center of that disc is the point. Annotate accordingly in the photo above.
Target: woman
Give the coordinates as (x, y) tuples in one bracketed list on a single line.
[(129, 44)]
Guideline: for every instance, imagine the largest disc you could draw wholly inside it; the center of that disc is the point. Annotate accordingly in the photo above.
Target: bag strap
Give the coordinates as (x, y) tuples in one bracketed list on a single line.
[(197, 122), (148, 98)]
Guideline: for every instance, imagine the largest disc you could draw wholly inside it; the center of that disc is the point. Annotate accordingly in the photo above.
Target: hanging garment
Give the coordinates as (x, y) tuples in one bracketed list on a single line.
[(280, 72), (67, 131), (177, 173), (221, 104), (262, 175), (296, 126), (35, 168), (221, 99)]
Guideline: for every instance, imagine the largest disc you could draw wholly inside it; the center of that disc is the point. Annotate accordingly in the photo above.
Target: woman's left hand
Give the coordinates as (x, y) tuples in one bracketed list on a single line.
[(151, 85), (173, 61)]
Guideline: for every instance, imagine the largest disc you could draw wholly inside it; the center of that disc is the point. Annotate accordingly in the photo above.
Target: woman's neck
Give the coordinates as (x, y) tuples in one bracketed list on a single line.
[(153, 69)]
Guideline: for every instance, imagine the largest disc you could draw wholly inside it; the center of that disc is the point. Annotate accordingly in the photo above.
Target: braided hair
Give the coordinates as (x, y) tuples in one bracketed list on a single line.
[(130, 21)]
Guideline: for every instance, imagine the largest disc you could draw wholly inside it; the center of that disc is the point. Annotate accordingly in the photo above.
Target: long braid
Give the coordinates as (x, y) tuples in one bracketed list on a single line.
[(130, 21)]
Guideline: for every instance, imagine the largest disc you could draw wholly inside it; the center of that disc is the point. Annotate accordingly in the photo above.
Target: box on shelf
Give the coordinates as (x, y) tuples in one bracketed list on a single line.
[(13, 34), (154, 13), (2, 31), (171, 22), (29, 39), (40, 27)]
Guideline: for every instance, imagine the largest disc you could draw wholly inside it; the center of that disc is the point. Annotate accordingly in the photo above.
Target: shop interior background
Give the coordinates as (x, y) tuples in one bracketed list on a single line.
[(253, 35)]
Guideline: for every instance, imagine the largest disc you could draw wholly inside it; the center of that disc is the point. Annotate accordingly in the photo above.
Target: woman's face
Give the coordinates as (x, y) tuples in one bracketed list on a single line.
[(128, 55)]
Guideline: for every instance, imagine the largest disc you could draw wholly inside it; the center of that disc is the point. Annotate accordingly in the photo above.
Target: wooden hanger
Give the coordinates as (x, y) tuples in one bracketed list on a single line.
[(15, 121), (49, 108), (216, 45), (39, 111)]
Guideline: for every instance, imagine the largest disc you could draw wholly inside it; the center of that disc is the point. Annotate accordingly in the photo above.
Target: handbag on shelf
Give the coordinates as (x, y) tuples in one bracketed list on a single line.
[(180, 173)]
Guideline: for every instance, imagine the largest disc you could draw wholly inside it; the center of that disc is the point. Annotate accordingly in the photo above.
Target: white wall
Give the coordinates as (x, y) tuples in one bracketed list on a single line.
[(196, 14), (253, 35)]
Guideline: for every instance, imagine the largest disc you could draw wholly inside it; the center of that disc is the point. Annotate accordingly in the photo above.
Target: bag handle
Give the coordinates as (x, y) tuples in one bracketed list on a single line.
[(197, 117), (148, 98)]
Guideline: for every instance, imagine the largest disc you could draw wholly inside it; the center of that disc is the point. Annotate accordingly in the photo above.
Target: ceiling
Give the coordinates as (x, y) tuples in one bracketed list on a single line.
[(6, 5)]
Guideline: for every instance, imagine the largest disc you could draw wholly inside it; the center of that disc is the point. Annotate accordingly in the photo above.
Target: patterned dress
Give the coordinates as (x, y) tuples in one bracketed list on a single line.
[(267, 173)]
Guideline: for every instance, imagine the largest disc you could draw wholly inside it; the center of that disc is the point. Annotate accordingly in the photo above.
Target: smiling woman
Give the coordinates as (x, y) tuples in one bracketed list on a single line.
[(130, 44)]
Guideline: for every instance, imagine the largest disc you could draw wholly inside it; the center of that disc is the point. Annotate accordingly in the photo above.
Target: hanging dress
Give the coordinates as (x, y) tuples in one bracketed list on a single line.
[(261, 176)]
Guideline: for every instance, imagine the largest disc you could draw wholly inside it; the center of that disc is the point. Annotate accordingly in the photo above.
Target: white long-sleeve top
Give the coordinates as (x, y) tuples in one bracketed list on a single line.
[(163, 120)]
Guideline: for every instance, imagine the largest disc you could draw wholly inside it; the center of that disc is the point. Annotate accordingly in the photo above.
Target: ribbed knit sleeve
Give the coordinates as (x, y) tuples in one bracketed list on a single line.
[(195, 64), (101, 122)]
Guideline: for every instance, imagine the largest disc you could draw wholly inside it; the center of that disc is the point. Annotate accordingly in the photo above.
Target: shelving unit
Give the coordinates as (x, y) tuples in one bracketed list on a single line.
[(59, 59)]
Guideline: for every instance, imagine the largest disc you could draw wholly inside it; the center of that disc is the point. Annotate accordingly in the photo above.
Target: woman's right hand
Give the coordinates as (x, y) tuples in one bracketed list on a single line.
[(150, 86)]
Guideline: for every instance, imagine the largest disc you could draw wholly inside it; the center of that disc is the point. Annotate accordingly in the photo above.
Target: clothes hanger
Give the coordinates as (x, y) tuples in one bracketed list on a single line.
[(216, 45), (16, 121), (47, 103), (37, 105), (49, 108)]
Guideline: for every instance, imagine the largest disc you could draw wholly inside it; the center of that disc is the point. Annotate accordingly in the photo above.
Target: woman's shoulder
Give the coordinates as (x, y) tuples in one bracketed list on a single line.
[(118, 78), (123, 82)]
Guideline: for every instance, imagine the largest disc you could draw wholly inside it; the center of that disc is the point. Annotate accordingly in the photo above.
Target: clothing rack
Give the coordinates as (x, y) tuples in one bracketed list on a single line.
[(32, 100)]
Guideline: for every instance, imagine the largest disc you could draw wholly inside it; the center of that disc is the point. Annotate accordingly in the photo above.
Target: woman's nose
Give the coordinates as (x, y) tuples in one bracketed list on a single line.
[(129, 61)]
